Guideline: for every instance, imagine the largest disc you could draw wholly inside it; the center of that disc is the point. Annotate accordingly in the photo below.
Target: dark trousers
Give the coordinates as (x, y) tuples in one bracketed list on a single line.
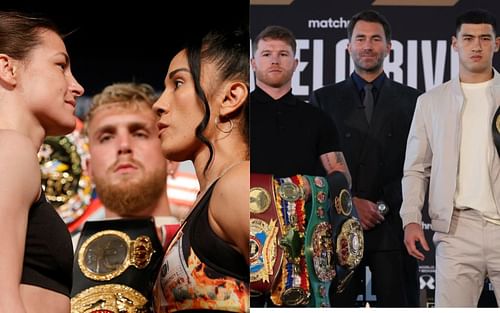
[(394, 281), (262, 301)]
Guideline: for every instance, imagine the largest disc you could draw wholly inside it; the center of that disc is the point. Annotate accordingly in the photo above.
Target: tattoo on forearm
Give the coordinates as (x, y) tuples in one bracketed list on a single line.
[(335, 161), (340, 158)]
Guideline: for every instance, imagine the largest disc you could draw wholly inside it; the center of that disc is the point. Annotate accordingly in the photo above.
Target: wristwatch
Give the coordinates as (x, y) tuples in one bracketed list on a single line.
[(382, 207)]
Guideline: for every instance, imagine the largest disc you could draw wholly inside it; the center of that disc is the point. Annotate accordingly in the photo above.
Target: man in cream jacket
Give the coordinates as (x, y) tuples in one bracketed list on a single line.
[(451, 145)]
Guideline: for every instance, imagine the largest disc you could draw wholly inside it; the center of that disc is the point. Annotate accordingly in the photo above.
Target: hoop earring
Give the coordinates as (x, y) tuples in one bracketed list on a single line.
[(225, 131)]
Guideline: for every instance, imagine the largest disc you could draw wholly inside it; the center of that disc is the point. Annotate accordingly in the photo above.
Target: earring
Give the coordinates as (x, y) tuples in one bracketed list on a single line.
[(225, 131)]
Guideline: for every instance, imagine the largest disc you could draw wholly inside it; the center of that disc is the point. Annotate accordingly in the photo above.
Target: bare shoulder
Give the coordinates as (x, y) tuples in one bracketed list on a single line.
[(18, 164), (228, 210), (236, 178), (231, 191)]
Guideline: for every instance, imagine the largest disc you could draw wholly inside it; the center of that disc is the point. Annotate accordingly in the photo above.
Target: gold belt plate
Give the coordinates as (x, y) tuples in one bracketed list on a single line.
[(107, 254)]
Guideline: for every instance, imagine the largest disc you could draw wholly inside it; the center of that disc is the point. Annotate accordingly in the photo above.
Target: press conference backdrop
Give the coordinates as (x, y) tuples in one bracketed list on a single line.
[(421, 57)]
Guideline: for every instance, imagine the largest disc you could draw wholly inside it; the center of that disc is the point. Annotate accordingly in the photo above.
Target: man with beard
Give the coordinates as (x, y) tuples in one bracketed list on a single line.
[(373, 114), (126, 163), (130, 175)]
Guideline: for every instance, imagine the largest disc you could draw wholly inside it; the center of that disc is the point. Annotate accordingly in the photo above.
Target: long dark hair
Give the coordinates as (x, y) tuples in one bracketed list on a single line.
[(229, 50)]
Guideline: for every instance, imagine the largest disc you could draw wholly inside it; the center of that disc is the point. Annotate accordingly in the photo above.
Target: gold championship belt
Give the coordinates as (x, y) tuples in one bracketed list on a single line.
[(347, 233), (319, 245), (265, 256), (350, 243), (65, 179), (115, 266), (293, 287)]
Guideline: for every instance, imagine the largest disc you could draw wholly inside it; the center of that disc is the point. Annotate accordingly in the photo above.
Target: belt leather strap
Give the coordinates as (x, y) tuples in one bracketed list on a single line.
[(347, 231), (293, 289), (319, 249), (265, 255)]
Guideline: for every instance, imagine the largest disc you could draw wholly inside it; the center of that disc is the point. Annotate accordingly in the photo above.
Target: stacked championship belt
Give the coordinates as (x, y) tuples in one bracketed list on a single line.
[(293, 288), (347, 234), (319, 246), (291, 246), (115, 267), (265, 257)]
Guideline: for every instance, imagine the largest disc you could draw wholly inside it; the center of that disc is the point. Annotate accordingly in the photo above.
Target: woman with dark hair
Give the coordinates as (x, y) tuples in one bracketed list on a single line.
[(203, 117), (37, 98)]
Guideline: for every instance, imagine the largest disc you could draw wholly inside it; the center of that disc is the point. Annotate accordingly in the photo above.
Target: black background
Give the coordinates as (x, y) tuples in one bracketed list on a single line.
[(131, 40)]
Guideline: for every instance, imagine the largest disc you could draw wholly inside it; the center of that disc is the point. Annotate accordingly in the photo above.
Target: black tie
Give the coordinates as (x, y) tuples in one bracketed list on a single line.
[(368, 102)]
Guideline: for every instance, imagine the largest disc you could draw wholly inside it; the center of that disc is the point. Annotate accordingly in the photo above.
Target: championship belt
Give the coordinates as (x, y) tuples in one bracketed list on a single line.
[(496, 130), (319, 246), (293, 287), (347, 232), (65, 179), (265, 256), (115, 267)]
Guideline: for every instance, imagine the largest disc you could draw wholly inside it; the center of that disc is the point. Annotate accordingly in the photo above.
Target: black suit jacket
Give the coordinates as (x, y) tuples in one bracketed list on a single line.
[(374, 153)]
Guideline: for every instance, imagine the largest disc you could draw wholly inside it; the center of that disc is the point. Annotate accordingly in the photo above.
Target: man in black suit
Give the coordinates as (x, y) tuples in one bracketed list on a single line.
[(372, 115)]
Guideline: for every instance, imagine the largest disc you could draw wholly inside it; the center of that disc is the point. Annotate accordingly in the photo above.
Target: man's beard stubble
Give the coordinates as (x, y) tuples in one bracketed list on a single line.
[(369, 68), (131, 198)]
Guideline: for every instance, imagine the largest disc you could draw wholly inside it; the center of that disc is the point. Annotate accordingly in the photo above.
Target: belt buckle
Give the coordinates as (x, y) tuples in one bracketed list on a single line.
[(260, 200), (112, 298), (262, 249), (343, 203), (107, 254), (350, 244), (290, 192), (323, 252), (294, 296)]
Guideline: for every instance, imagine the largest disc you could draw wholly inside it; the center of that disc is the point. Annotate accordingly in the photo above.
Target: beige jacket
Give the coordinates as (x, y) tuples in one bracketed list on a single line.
[(432, 153)]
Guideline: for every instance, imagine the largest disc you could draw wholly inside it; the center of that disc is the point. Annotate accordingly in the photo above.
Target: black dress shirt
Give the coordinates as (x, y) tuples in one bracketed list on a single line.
[(288, 135)]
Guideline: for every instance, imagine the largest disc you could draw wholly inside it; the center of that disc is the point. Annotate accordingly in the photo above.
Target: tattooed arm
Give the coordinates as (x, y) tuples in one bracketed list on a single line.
[(367, 210), (335, 161)]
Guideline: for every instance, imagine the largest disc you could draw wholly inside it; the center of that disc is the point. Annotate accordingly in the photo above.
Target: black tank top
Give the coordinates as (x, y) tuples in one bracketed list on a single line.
[(48, 252), (202, 271)]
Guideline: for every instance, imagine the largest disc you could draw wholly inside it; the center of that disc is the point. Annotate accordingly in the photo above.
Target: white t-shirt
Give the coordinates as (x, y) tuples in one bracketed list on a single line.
[(474, 189)]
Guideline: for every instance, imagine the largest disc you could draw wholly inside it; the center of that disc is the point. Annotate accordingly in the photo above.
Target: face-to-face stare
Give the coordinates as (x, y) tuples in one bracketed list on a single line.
[(126, 162), (368, 47), (274, 63), (48, 87), (180, 110), (476, 44)]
